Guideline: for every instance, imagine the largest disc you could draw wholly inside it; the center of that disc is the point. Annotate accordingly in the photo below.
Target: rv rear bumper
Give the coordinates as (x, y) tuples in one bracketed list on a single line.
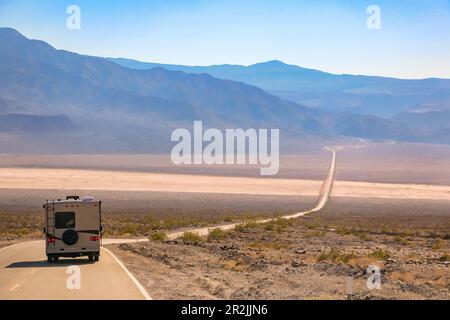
[(73, 254)]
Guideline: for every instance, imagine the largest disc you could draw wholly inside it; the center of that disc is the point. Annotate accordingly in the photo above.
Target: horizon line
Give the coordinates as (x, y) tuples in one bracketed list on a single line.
[(228, 64), (264, 62)]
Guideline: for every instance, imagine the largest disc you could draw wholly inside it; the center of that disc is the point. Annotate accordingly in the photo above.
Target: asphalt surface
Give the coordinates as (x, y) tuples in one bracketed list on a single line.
[(26, 274)]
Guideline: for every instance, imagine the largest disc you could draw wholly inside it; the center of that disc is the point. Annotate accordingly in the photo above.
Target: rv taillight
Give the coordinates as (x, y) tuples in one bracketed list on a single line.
[(51, 240), (95, 238)]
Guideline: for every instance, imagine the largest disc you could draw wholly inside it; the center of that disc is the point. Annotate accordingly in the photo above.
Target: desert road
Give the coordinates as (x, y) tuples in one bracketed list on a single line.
[(324, 195), (25, 273)]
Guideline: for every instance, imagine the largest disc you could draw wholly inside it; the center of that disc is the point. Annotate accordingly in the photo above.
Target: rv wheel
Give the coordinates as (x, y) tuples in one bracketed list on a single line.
[(50, 259), (96, 258), (91, 258)]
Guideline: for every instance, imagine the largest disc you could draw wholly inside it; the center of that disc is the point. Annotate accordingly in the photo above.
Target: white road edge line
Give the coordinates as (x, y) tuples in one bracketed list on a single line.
[(135, 281)]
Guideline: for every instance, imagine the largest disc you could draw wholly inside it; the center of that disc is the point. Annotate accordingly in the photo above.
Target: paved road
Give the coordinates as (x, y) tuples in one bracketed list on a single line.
[(25, 273)]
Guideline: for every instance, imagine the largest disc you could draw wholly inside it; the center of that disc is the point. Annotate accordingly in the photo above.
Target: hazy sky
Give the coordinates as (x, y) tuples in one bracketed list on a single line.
[(330, 35)]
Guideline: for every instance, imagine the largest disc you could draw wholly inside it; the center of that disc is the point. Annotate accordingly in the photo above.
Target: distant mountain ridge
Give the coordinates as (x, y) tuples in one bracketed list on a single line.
[(90, 104), (379, 96)]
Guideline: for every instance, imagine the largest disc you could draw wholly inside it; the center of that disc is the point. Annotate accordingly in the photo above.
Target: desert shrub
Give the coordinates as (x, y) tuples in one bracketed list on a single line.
[(251, 225), (129, 228), (335, 256), (216, 234), (401, 240), (343, 231), (444, 258), (407, 233), (313, 225), (363, 236), (380, 254), (277, 225), (191, 238), (244, 227), (237, 266), (228, 219), (158, 236), (438, 244)]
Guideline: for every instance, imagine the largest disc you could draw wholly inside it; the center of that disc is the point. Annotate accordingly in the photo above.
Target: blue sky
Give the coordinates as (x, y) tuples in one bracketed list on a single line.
[(330, 35)]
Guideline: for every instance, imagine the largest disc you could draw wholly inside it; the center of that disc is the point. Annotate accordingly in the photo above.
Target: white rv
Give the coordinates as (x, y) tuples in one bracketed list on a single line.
[(73, 228)]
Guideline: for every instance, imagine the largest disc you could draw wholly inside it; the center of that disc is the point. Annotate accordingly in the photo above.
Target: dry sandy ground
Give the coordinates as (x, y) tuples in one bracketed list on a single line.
[(12, 178), (365, 161), (65, 179), (324, 256)]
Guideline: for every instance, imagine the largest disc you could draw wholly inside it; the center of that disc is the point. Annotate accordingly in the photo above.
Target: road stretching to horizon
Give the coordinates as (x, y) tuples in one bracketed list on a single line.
[(26, 274)]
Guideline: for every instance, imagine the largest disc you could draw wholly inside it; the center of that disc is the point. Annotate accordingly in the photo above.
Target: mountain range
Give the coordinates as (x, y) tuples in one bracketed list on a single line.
[(379, 96), (58, 101)]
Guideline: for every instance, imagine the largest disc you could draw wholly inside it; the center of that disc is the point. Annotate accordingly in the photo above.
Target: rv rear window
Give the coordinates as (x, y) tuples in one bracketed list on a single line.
[(64, 220)]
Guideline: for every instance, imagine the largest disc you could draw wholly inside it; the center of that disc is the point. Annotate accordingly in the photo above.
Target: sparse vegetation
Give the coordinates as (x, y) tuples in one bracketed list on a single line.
[(245, 227), (316, 223), (380, 254), (401, 240), (277, 225), (361, 234), (143, 224), (158, 236), (191, 238), (237, 266), (438, 245), (343, 231), (216, 234), (21, 225), (280, 258), (336, 256), (444, 258), (271, 245)]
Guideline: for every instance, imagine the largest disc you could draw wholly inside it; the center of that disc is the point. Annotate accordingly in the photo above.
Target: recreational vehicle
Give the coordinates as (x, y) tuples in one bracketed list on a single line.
[(73, 228)]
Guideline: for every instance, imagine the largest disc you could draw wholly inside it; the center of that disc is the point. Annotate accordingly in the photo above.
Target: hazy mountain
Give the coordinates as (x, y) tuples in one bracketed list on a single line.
[(433, 121), (379, 96), (23, 123), (35, 74), (86, 104)]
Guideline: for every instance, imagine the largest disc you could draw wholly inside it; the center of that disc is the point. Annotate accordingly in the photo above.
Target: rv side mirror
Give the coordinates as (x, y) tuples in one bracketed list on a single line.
[(44, 230), (101, 229)]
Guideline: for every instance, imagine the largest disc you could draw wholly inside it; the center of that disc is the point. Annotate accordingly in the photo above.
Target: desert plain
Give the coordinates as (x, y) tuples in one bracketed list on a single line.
[(389, 207)]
